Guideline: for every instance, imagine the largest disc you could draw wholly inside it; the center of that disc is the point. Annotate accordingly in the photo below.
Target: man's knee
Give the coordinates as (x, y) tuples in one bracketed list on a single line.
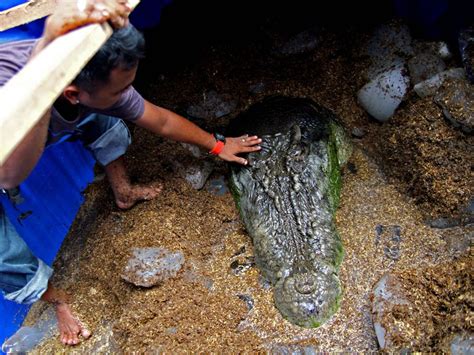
[(108, 138)]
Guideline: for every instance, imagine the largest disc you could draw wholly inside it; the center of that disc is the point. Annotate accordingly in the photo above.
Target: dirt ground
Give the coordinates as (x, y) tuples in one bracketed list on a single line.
[(406, 171)]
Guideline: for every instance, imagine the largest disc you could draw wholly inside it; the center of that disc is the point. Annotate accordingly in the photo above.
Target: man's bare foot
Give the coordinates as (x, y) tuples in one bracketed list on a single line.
[(69, 326), (127, 196)]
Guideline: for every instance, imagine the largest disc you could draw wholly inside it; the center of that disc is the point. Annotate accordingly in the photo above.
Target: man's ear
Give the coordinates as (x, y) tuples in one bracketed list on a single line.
[(71, 93)]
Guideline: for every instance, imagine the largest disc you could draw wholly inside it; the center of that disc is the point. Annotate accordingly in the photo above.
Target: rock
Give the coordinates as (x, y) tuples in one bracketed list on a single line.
[(242, 265), (443, 51), (424, 66), (212, 105), (293, 350), (28, 337), (387, 295), (358, 132), (458, 240), (195, 173), (217, 186), (456, 98), (380, 65), (192, 275), (388, 47), (257, 88), (462, 345), (415, 308), (303, 42), (171, 330), (439, 49), (443, 222), (381, 97), (389, 238), (429, 87), (193, 149), (103, 342), (150, 266), (466, 47), (390, 39), (248, 301)]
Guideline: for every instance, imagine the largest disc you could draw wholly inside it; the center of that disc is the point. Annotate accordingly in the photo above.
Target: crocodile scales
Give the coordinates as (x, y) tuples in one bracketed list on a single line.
[(287, 196)]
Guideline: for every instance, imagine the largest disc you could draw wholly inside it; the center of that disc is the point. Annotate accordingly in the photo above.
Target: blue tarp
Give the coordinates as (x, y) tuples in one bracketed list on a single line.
[(52, 197), (52, 193)]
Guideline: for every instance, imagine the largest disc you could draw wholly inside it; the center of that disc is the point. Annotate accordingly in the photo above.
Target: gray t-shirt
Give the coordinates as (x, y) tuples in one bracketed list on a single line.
[(14, 56)]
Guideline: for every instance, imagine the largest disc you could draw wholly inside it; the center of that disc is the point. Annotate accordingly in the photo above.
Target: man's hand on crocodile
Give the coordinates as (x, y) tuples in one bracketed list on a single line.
[(237, 145)]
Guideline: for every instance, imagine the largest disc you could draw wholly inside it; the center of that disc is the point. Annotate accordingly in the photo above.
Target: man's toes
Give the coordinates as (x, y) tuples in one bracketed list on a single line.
[(85, 333)]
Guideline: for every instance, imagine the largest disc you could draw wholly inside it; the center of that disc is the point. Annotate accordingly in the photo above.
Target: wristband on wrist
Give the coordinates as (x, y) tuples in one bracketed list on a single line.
[(220, 142)]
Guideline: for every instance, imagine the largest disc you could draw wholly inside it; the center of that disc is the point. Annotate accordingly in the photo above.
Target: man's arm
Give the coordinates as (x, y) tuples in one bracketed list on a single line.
[(25, 156), (173, 126)]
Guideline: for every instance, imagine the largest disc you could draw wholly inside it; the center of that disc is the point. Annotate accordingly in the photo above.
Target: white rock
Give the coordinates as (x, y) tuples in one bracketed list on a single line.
[(380, 65), (381, 97), (430, 86), (443, 51)]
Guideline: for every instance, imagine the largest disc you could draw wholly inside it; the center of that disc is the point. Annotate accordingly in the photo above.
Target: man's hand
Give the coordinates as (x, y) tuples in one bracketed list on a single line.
[(71, 14), (242, 144)]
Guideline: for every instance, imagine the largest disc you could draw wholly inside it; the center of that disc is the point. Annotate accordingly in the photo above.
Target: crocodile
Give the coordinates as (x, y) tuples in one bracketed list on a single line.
[(287, 196)]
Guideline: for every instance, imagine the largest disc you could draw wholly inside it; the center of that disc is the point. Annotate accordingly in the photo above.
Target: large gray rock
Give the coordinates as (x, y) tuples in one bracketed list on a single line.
[(430, 87), (150, 266)]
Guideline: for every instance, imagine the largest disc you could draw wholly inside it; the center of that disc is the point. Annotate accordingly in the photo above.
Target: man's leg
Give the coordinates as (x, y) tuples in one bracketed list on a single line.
[(108, 139), (25, 279)]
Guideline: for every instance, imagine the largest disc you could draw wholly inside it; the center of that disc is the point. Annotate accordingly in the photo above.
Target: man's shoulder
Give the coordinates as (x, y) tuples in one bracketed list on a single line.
[(13, 57)]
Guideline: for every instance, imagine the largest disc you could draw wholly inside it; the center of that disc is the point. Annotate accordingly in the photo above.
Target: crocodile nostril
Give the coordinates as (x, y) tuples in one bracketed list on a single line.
[(305, 283)]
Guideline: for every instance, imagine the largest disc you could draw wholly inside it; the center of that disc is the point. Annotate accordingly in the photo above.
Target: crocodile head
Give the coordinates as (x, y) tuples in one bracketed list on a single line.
[(287, 196)]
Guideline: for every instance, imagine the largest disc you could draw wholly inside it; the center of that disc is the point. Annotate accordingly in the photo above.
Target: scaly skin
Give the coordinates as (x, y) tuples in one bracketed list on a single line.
[(287, 197)]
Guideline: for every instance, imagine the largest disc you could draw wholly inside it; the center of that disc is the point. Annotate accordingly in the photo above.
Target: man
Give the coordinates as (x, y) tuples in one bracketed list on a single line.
[(89, 109)]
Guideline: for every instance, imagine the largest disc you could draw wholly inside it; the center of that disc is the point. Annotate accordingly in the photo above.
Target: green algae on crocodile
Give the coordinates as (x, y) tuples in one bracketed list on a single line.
[(287, 197)]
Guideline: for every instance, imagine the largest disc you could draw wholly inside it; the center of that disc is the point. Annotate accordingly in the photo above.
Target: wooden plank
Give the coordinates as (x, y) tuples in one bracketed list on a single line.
[(27, 96), (24, 13)]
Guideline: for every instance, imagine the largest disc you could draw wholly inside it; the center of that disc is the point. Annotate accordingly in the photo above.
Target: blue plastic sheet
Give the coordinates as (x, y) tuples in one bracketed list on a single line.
[(52, 197)]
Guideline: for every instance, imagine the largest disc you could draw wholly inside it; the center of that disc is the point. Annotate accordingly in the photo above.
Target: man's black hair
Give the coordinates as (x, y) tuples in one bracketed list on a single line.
[(122, 50)]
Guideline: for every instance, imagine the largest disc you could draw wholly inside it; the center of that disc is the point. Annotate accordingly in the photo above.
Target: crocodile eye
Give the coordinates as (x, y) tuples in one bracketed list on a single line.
[(264, 154), (296, 160)]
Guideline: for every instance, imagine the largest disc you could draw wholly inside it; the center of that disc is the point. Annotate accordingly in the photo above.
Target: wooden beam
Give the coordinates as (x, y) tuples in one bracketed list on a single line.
[(24, 13), (26, 97)]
